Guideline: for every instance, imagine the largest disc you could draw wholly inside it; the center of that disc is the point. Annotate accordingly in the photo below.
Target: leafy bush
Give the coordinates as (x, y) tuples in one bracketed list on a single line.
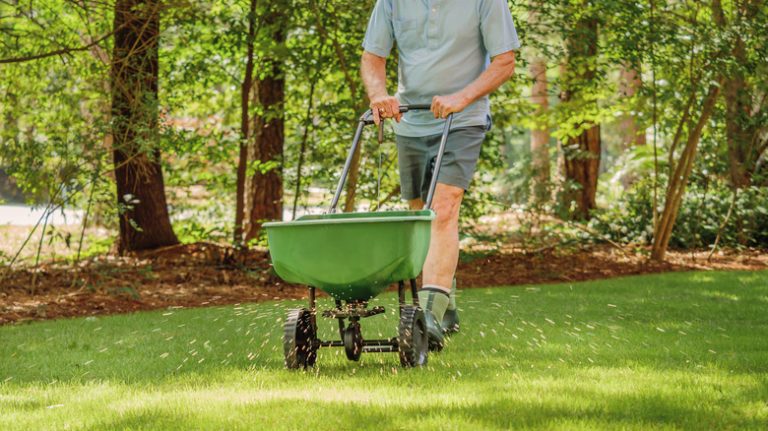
[(191, 230), (702, 213)]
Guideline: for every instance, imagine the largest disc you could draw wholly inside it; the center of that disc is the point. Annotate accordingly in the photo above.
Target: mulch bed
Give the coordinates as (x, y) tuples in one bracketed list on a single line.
[(204, 274)]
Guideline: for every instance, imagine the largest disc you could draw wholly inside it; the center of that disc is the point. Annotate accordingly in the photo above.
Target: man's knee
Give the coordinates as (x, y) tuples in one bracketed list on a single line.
[(446, 204)]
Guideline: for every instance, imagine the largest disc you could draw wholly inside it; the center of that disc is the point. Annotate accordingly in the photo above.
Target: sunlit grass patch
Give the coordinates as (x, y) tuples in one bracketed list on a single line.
[(672, 351)]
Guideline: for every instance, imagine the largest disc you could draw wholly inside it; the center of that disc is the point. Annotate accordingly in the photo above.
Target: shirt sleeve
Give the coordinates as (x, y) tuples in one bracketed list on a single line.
[(380, 36), (497, 27)]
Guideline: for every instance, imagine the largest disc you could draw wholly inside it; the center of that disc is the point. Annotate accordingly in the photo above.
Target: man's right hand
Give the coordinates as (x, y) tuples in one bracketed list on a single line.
[(385, 107)]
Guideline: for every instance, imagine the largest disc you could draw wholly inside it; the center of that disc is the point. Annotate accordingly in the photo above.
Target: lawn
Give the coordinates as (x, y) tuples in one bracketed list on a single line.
[(671, 351)]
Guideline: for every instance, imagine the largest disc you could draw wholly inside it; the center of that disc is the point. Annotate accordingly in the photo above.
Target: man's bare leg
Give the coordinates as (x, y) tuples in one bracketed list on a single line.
[(440, 265), (443, 256)]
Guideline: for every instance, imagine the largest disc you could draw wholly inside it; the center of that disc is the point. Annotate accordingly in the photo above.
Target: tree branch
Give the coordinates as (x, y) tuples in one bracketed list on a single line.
[(724, 223), (762, 147), (62, 51)]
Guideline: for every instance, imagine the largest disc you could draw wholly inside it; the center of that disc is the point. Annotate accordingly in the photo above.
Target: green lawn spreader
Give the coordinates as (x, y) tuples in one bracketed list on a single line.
[(354, 257)]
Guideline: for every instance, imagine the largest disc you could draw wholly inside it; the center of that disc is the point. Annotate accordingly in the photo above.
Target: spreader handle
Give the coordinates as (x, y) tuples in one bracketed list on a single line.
[(438, 162), (366, 119)]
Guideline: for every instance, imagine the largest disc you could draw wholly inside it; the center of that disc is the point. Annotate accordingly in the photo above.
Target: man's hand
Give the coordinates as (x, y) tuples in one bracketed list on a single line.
[(444, 105), (373, 70), (385, 107), (501, 69)]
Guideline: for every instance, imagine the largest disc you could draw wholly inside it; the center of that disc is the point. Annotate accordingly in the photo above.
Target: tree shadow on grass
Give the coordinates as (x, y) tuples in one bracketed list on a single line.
[(577, 407)]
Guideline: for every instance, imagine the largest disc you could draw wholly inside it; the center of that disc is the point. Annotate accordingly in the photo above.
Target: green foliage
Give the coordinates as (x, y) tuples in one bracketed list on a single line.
[(97, 246), (629, 219), (192, 230), (705, 210), (55, 110), (702, 216)]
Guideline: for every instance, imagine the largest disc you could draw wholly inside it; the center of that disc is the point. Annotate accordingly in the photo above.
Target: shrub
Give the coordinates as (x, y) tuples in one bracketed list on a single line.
[(702, 213)]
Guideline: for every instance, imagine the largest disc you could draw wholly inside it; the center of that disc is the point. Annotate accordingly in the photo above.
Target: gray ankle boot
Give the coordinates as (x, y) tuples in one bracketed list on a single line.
[(433, 301), (451, 317)]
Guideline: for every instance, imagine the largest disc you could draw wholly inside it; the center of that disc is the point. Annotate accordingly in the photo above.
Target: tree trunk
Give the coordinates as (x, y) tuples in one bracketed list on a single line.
[(144, 221), (629, 85), (631, 135), (679, 179), (245, 132), (582, 163), (540, 131), (264, 198), (740, 129), (582, 152)]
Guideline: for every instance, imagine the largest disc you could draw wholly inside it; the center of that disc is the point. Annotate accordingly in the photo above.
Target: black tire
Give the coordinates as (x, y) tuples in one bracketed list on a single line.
[(412, 341), (353, 341), (299, 339)]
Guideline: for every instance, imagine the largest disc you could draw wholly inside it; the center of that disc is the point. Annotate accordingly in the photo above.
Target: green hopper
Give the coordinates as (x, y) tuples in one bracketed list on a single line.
[(351, 256)]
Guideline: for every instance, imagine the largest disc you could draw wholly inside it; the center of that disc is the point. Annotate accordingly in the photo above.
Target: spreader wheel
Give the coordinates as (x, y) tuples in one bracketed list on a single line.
[(412, 337), (353, 341), (299, 344)]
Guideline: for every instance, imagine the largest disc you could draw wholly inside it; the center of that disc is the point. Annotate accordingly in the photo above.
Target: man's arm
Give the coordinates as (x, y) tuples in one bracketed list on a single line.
[(374, 72), (501, 69)]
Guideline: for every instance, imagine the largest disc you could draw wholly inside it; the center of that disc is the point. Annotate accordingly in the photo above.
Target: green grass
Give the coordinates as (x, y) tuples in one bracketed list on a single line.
[(672, 351)]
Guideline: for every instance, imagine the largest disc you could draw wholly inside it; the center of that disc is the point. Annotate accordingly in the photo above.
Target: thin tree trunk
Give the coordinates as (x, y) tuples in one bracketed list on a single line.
[(721, 229), (582, 153), (264, 198), (540, 132), (354, 169), (679, 179), (245, 133), (9, 136), (351, 184), (303, 147), (144, 220)]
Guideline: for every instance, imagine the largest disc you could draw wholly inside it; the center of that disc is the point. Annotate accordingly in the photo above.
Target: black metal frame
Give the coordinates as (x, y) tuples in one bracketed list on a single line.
[(353, 311), (356, 310)]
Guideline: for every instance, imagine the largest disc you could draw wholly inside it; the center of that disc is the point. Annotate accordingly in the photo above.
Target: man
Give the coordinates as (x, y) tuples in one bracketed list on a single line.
[(452, 54)]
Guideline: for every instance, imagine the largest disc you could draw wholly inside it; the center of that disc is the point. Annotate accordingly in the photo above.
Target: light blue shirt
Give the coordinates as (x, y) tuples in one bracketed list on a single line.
[(443, 46)]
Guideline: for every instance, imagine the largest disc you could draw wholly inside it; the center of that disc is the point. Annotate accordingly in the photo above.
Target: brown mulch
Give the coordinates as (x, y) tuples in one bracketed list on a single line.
[(203, 274), (600, 262), (190, 275)]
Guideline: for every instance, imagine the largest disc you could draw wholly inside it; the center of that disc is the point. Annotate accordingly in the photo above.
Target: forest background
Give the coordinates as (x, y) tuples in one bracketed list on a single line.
[(641, 124)]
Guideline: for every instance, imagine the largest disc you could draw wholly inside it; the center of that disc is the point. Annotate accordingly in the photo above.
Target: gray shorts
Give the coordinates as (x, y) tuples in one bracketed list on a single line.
[(416, 154)]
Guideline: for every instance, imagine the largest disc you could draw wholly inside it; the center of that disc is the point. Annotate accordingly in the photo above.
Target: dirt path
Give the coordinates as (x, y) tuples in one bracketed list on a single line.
[(205, 274)]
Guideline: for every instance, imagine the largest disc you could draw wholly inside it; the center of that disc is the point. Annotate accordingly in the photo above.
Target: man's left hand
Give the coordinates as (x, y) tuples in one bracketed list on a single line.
[(444, 105)]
